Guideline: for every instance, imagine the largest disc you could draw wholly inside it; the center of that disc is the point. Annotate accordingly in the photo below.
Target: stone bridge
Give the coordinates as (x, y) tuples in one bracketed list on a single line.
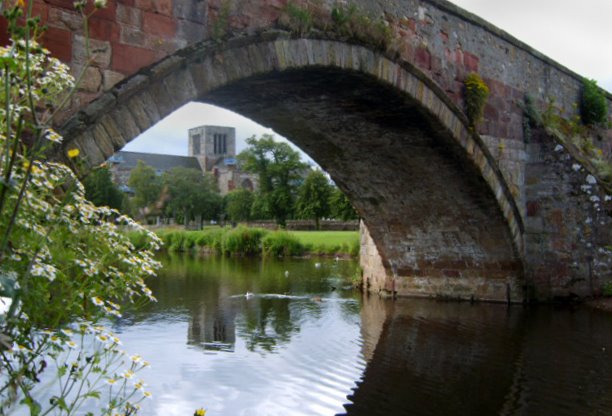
[(375, 95)]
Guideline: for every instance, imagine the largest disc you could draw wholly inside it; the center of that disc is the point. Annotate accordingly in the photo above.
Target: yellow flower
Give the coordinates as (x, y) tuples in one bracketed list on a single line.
[(200, 412), (72, 153), (21, 3)]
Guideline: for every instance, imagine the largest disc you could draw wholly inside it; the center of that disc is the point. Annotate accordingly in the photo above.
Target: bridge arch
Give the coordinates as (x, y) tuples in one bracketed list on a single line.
[(433, 199)]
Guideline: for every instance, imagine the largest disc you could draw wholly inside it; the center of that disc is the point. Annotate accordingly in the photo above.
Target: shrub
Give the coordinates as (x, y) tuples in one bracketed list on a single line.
[(476, 94), (354, 248), (281, 244), (243, 241), (593, 103), (607, 289)]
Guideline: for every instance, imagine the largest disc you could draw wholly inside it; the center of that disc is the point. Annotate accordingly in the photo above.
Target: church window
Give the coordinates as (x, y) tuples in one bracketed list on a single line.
[(196, 144)]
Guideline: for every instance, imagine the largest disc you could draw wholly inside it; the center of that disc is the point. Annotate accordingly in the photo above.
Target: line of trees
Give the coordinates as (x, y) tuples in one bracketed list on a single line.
[(287, 189)]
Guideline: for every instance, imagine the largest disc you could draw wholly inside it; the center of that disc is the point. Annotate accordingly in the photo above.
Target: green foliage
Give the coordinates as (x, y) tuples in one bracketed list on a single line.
[(353, 23), (243, 241), (278, 167), (101, 190), (64, 263), (220, 26), (297, 19), (313, 197), (340, 206), (476, 94), (577, 139), (191, 193), (238, 204), (593, 104), (281, 244), (531, 117), (255, 241), (147, 186), (607, 289), (329, 242)]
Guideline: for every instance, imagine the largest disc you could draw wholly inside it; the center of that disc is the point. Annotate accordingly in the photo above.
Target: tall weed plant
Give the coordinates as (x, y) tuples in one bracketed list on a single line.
[(65, 264)]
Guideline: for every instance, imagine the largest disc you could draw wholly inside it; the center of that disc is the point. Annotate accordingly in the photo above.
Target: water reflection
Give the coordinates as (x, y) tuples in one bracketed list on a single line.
[(292, 347), (297, 346), (459, 359)]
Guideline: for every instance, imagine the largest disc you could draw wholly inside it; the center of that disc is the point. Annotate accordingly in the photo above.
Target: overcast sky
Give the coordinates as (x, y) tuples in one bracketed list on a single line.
[(577, 34)]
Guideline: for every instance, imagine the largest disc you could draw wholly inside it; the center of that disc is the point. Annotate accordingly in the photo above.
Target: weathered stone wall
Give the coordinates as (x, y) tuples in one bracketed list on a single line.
[(568, 232), (445, 280), (445, 207)]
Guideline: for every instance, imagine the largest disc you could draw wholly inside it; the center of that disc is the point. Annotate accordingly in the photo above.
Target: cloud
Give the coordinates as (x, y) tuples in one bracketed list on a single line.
[(575, 34)]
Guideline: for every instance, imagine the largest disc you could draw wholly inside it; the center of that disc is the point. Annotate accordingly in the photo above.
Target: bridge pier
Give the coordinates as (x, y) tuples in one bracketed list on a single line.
[(388, 278)]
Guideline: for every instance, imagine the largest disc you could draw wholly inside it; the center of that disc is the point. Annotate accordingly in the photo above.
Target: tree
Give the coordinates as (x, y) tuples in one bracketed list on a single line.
[(238, 204), (147, 187), (278, 167), (313, 197), (101, 190), (191, 193), (340, 206)]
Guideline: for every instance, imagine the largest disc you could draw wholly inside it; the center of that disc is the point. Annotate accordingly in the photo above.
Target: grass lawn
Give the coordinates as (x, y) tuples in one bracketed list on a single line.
[(327, 238)]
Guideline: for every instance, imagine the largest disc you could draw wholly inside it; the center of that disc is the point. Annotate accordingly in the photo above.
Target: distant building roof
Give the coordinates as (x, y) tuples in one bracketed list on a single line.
[(129, 160)]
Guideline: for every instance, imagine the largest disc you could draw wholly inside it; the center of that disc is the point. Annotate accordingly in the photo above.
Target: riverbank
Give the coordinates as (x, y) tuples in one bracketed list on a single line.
[(250, 241), (604, 304)]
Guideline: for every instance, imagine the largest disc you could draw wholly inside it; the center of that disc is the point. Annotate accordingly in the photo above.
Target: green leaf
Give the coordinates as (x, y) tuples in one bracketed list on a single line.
[(33, 405), (8, 62), (7, 283)]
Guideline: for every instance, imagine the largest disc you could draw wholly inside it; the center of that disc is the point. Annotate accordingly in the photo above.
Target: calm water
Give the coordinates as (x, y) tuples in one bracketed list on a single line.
[(297, 347)]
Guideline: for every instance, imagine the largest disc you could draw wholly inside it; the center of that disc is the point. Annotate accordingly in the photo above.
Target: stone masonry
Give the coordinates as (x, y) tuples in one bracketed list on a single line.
[(447, 211)]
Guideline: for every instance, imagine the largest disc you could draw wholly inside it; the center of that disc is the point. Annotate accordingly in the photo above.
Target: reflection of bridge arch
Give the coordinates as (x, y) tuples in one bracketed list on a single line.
[(431, 195)]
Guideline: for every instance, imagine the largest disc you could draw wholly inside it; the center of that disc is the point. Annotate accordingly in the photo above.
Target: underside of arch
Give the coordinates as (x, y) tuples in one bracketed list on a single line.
[(432, 198)]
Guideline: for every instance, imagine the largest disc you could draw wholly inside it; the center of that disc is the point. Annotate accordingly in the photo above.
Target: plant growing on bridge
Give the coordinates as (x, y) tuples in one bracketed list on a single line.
[(355, 24), (64, 264), (578, 140), (220, 26), (476, 94), (593, 104), (298, 19)]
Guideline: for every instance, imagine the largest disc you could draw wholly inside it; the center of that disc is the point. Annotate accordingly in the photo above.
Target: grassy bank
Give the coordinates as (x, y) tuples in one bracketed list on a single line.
[(256, 241)]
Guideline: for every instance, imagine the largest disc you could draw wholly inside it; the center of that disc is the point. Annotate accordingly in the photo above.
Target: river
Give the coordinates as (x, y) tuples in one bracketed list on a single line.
[(302, 342)]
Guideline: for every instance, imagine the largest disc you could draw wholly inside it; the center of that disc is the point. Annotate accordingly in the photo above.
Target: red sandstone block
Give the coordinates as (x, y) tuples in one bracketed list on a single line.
[(444, 36), (470, 62), (532, 208), (556, 218), (451, 273), (129, 59), (59, 42), (158, 25), (422, 58), (4, 37), (64, 4), (491, 112), (41, 10), (104, 29), (156, 6)]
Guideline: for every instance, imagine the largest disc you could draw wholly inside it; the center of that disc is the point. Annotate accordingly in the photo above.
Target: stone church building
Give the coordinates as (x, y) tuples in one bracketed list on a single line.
[(211, 149)]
